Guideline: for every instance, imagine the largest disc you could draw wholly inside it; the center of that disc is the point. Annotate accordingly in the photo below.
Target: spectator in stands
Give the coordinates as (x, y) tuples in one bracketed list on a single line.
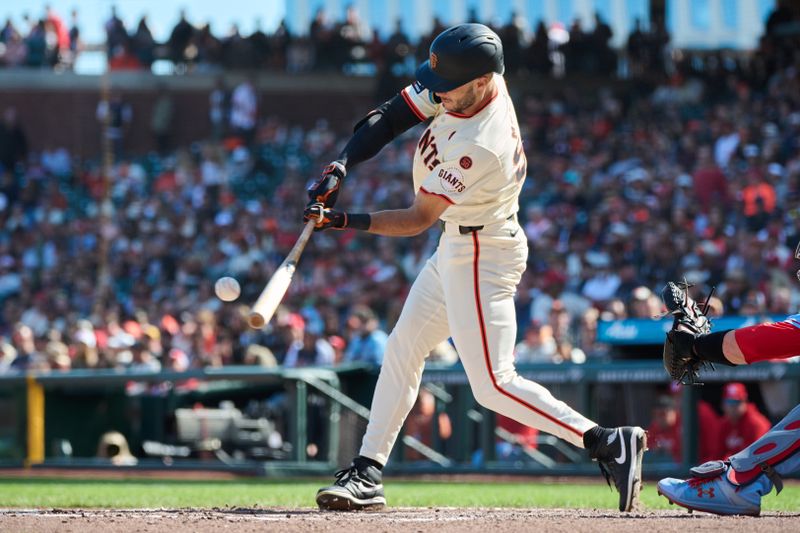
[(664, 431), (259, 45), (519, 440), (161, 121), (36, 45), (143, 45), (567, 352), (420, 424), (758, 200), (16, 51), (309, 349), (115, 115), (513, 37), (537, 346), (733, 290), (605, 60), (366, 341), (116, 34), (742, 423), (7, 354), (142, 360), (13, 141), (209, 49), (602, 285), (28, 356), (538, 56), (644, 303), (179, 39), (236, 51), (56, 37), (577, 54), (219, 109), (637, 48), (320, 35), (710, 184), (398, 46), (124, 58), (74, 36), (7, 31), (281, 41), (244, 111), (353, 32)]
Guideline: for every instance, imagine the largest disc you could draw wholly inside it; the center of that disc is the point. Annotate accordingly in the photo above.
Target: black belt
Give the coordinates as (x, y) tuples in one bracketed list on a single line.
[(463, 230)]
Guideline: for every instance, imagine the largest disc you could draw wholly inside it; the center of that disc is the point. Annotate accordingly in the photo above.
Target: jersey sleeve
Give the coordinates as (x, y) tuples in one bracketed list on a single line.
[(461, 173), (420, 100)]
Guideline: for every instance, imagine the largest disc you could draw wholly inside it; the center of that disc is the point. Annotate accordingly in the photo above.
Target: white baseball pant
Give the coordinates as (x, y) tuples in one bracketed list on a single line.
[(466, 291)]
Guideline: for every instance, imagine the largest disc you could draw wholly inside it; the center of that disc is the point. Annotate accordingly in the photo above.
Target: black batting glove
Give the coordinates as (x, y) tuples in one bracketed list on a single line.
[(326, 189), (326, 218)]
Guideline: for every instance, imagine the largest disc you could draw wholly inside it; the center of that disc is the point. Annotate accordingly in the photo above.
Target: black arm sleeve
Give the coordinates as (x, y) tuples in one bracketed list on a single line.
[(377, 129)]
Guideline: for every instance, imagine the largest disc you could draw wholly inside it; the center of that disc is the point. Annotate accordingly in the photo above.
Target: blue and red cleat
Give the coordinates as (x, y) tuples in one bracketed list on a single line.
[(716, 494)]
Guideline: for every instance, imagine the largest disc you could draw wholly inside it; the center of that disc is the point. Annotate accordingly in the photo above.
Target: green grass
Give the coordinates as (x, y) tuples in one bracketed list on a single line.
[(61, 493)]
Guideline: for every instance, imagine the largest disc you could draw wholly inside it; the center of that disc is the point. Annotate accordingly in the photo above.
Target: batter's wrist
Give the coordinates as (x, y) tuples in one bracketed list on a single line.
[(360, 221)]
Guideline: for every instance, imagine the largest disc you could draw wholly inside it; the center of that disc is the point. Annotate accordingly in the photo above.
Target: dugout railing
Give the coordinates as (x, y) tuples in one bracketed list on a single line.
[(327, 409)]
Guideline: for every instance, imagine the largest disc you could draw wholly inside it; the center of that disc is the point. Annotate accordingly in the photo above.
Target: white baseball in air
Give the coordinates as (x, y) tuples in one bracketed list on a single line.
[(227, 289)]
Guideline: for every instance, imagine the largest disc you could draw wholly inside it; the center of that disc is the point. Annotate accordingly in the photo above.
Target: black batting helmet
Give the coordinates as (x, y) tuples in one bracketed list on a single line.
[(459, 55)]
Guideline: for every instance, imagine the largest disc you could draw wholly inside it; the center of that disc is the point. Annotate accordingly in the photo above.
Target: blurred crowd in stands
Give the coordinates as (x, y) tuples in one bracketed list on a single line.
[(699, 178), (347, 45), (739, 425)]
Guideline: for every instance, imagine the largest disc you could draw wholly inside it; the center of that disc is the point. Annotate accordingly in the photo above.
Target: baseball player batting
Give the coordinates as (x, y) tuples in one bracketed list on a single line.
[(733, 486), (469, 167)]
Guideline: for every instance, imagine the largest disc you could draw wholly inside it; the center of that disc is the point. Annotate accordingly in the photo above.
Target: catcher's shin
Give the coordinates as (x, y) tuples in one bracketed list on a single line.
[(680, 360)]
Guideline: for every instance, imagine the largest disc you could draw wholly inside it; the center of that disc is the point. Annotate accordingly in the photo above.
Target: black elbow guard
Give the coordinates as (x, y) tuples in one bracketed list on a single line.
[(395, 112)]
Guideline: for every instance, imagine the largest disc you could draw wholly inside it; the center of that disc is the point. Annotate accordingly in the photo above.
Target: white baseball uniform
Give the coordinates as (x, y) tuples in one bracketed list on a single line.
[(466, 289)]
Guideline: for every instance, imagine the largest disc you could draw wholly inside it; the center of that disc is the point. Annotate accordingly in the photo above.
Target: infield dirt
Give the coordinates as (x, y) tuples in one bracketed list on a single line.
[(441, 520)]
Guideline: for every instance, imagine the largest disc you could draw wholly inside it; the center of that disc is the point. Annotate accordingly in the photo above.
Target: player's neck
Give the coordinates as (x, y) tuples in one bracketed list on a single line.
[(489, 93)]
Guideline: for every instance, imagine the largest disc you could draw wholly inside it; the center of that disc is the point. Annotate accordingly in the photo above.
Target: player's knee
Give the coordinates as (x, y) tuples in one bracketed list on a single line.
[(487, 391), (486, 395), (399, 351)]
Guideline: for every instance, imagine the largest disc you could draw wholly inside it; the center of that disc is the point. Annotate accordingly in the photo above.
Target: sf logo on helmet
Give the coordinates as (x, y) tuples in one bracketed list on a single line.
[(434, 60)]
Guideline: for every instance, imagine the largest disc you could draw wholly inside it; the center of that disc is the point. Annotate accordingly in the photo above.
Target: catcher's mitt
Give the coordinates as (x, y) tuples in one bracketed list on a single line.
[(680, 360)]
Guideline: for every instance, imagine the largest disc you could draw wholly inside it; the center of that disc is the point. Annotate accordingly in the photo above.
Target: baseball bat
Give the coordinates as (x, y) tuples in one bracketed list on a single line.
[(273, 293)]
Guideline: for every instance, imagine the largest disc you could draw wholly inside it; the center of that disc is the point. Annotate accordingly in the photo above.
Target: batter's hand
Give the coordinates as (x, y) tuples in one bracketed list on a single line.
[(326, 218), (326, 189)]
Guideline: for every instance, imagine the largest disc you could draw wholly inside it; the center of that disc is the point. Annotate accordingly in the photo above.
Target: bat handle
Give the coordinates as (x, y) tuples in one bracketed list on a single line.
[(300, 245)]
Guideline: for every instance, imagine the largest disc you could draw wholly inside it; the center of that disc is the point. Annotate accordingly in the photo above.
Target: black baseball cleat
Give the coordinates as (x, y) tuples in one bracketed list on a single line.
[(619, 454), (357, 488)]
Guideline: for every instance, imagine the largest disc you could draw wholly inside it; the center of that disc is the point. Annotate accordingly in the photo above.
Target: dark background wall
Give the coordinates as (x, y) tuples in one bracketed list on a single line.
[(41, 99)]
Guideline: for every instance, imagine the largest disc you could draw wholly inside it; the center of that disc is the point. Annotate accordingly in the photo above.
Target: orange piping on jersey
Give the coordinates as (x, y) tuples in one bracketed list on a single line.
[(477, 252), (481, 108), (426, 191), (413, 107)]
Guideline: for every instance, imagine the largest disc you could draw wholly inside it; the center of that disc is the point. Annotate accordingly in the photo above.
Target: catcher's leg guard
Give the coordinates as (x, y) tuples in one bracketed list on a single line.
[(736, 486), (774, 454)]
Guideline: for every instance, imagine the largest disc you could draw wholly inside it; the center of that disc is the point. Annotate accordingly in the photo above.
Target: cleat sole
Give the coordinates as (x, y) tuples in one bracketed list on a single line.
[(337, 502)]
